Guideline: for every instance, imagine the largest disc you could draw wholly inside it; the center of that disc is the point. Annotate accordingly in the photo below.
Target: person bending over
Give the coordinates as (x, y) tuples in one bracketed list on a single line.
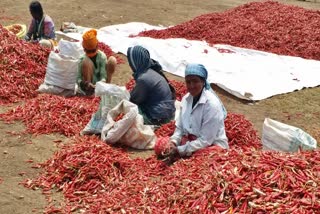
[(94, 66), (152, 93)]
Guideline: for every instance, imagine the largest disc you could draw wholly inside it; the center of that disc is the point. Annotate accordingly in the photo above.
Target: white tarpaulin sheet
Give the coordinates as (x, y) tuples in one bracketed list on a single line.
[(245, 73)]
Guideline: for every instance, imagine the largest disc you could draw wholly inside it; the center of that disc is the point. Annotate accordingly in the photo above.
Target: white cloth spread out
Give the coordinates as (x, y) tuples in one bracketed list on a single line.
[(245, 73)]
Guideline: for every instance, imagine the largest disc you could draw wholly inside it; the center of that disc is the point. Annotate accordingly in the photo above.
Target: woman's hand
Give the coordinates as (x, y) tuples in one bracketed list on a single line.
[(87, 86), (170, 153), (91, 86)]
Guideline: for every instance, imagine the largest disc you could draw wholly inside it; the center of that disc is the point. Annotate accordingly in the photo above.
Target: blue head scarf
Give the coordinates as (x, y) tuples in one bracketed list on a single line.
[(198, 70), (201, 71), (139, 60)]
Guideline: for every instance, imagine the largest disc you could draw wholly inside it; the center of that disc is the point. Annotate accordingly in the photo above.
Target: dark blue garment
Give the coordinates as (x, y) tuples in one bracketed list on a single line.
[(153, 96), (152, 92)]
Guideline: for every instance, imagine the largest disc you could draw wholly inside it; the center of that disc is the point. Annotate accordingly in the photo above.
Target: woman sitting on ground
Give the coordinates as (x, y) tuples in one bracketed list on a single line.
[(41, 28), (201, 120), (94, 65), (152, 92)]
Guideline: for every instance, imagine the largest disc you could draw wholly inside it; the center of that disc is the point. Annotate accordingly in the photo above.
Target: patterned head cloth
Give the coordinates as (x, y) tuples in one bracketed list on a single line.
[(139, 60), (90, 41), (198, 70)]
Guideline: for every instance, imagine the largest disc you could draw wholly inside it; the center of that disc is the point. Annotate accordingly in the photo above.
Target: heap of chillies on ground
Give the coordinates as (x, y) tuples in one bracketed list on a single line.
[(179, 87), (108, 51), (267, 26), (22, 67), (47, 114), (95, 178)]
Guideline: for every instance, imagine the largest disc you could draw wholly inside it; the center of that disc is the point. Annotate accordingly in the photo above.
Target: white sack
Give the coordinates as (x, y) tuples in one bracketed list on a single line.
[(111, 95), (61, 71), (282, 137), (72, 49), (51, 89), (130, 130)]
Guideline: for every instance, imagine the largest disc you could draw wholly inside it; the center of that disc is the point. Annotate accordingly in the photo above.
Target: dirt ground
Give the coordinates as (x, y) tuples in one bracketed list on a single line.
[(299, 108)]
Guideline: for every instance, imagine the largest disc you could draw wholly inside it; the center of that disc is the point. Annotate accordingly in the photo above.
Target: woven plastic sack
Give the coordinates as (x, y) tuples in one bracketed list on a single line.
[(282, 137), (73, 49), (130, 130), (61, 71), (51, 89), (111, 95)]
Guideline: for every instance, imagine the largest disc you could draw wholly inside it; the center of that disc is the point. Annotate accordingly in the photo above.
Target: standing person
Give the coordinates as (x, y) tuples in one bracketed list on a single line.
[(152, 92), (94, 65), (41, 28), (201, 120)]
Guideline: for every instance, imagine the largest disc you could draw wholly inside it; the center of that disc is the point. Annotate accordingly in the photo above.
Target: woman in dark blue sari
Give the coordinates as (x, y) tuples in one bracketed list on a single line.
[(152, 92)]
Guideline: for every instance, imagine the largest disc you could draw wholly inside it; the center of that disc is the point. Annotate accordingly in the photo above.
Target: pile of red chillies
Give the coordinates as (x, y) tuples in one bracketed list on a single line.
[(95, 177), (22, 67), (179, 87), (267, 26), (47, 114), (108, 51)]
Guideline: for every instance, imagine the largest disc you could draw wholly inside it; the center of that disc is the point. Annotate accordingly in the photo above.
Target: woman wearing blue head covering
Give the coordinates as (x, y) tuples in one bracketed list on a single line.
[(201, 120), (152, 93)]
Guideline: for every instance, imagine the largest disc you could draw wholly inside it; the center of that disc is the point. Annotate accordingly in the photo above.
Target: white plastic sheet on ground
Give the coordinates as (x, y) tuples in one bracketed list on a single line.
[(247, 74)]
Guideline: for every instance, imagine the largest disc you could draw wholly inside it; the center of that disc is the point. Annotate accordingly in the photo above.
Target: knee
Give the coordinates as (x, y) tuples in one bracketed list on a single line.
[(46, 43), (87, 64), (112, 61)]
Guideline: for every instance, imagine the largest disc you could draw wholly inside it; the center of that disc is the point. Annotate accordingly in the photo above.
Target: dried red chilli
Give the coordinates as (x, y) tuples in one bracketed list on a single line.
[(240, 132), (49, 113), (166, 129), (95, 177), (22, 67), (15, 28), (52, 209), (268, 26), (162, 145), (180, 87), (119, 117), (107, 50), (130, 84)]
